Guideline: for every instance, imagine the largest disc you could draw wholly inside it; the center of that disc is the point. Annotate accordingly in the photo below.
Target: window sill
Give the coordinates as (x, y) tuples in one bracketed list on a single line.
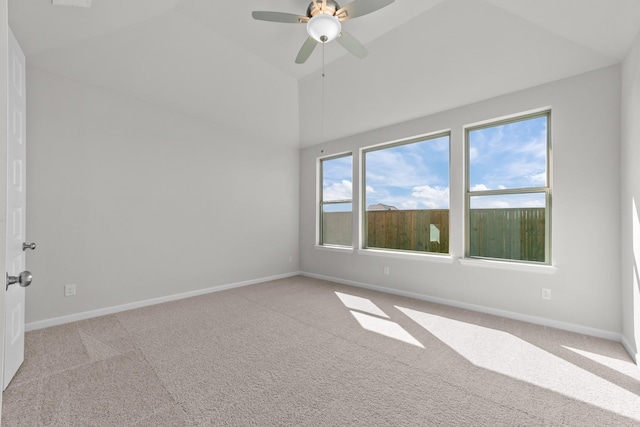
[(444, 258), (335, 248), (506, 265)]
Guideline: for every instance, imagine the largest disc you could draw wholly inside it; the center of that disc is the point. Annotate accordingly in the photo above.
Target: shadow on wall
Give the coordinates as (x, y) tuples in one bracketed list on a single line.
[(636, 276)]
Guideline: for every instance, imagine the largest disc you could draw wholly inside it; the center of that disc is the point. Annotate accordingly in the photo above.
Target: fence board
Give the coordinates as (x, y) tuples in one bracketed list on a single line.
[(409, 230), (517, 233), (336, 228)]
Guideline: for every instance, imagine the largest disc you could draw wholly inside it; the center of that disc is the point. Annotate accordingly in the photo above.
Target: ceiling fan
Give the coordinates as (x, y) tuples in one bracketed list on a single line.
[(323, 19)]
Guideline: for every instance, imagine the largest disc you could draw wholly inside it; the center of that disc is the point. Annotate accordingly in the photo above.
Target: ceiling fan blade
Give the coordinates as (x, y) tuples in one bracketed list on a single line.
[(361, 7), (287, 18), (306, 50), (352, 44), (324, 5)]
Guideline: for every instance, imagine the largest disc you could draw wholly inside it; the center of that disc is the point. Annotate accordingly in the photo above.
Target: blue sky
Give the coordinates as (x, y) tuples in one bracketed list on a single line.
[(410, 176), (336, 184), (508, 156), (416, 175), (337, 175)]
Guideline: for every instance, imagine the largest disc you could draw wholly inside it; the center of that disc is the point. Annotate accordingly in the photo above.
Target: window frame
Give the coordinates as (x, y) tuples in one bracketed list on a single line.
[(546, 190), (363, 222), (322, 203)]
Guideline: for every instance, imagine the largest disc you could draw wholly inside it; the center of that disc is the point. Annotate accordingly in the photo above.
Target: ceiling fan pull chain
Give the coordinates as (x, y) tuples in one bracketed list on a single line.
[(322, 101), (323, 61)]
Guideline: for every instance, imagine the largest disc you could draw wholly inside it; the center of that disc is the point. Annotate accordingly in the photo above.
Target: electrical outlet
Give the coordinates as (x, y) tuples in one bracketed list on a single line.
[(545, 293), (69, 290), (386, 271), (290, 259)]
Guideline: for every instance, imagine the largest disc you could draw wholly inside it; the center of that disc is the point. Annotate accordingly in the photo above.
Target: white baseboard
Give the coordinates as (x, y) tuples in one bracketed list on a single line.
[(631, 350), (613, 336), (40, 324)]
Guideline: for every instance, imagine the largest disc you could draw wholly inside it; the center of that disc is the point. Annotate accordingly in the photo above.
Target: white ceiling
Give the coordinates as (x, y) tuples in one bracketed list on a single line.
[(211, 59)]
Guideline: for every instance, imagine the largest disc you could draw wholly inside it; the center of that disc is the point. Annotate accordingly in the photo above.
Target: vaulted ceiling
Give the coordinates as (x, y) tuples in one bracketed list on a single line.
[(212, 60)]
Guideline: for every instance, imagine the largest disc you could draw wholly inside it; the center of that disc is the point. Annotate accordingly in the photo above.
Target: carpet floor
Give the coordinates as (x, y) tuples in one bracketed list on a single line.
[(305, 352)]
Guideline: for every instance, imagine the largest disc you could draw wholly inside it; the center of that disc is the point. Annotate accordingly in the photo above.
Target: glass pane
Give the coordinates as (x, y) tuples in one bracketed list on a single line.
[(509, 226), (407, 196), (337, 186), (512, 155), (336, 179), (337, 224)]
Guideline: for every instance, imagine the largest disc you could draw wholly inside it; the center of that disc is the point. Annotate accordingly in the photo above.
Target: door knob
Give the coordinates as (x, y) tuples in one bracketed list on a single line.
[(23, 279), (26, 246)]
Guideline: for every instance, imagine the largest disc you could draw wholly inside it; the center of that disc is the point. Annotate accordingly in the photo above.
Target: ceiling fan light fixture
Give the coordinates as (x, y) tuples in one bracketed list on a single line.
[(324, 28)]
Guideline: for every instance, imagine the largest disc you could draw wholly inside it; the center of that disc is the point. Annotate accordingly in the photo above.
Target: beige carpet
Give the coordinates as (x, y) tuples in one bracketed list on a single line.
[(304, 352)]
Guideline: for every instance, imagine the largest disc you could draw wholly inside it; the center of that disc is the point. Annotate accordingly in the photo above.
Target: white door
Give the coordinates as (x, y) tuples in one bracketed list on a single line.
[(16, 218)]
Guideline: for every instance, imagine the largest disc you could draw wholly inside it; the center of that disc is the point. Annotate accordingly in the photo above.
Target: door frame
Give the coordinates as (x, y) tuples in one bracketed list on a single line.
[(4, 43)]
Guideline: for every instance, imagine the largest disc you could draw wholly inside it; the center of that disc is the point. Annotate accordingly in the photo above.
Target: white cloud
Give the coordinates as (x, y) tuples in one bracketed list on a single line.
[(338, 191), (370, 189), (540, 178), (479, 187), (508, 201), (408, 165), (490, 203), (409, 204), (432, 197), (371, 176), (513, 154), (535, 147)]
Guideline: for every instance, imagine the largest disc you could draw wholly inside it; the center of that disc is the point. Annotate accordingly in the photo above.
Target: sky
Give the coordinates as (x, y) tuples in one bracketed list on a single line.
[(410, 176), (510, 156), (416, 175), (336, 182)]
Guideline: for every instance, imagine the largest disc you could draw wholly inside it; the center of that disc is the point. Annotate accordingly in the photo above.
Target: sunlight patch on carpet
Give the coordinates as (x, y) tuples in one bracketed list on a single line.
[(385, 327), (509, 355), (626, 367), (361, 304)]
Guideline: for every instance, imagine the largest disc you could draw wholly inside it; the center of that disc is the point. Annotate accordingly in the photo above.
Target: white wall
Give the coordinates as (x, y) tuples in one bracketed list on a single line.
[(131, 201), (630, 192), (585, 283)]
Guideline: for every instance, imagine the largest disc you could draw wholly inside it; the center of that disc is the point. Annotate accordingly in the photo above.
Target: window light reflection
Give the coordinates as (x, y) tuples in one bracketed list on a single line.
[(385, 327), (361, 304), (626, 367), (509, 355)]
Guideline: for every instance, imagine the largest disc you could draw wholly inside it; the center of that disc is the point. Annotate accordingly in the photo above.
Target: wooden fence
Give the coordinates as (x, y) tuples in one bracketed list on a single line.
[(413, 230), (516, 233), (496, 233), (336, 228)]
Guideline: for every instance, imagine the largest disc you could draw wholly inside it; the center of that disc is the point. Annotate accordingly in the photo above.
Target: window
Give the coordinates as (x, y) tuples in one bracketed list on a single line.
[(336, 218), (406, 194), (508, 193)]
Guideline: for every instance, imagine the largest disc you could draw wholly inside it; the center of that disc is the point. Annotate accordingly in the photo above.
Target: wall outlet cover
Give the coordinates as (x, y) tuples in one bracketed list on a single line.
[(545, 293), (69, 290)]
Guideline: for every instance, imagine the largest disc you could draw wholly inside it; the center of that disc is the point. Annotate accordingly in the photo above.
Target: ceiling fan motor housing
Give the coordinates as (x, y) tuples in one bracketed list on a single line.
[(331, 8), (324, 23)]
